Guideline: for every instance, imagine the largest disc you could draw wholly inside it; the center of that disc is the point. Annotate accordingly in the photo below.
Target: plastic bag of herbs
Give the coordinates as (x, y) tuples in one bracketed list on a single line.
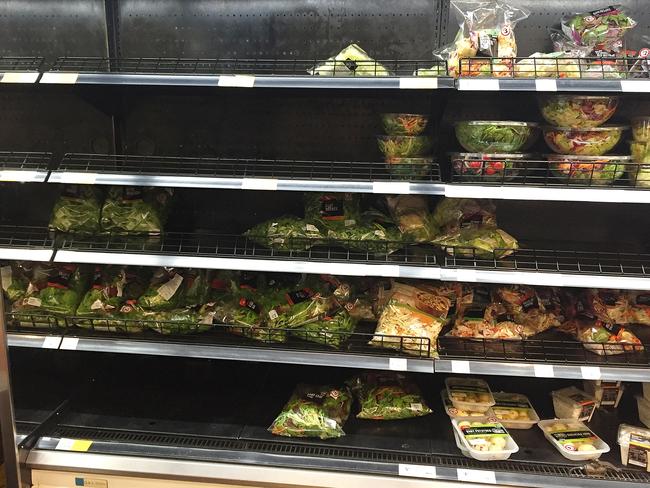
[(314, 411), (286, 234), (53, 290), (77, 210), (135, 209), (388, 396)]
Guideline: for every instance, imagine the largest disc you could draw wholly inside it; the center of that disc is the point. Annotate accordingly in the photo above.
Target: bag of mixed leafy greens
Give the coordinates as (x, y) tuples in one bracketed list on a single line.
[(135, 209), (370, 238), (330, 330), (314, 411), (388, 396), (179, 321), (165, 290), (351, 61), (15, 280), (285, 234), (452, 214), (77, 210), (197, 287), (333, 210), (412, 216), (602, 30), (526, 308), (480, 242)]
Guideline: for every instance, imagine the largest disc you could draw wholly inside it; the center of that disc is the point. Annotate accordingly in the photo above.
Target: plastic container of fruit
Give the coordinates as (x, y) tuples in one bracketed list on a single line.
[(409, 168), (573, 439), (640, 129), (404, 124), (588, 170), (484, 440), (456, 413), (486, 167), (496, 136), (577, 111), (583, 142), (572, 403), (606, 393), (514, 410), (469, 394), (404, 146)]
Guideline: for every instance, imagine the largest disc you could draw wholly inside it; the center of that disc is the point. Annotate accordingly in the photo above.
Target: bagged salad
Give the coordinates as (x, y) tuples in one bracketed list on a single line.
[(333, 210), (314, 411), (373, 238), (486, 29), (527, 309), (412, 216), (77, 210), (178, 321), (639, 307), (604, 339), (286, 234), (135, 209), (15, 279), (388, 396), (164, 291), (331, 330), (601, 30), (351, 61)]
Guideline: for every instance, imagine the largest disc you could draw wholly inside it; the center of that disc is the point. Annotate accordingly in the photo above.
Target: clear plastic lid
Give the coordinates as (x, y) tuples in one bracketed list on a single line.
[(498, 122), (589, 159), (465, 155), (580, 97), (602, 128), (573, 439), (454, 412), (485, 440), (469, 394)]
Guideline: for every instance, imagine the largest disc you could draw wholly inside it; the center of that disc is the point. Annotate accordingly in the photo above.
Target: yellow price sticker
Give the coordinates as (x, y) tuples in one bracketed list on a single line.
[(77, 445)]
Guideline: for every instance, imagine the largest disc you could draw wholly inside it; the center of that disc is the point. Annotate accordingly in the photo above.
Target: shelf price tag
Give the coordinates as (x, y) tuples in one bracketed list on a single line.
[(259, 184), (391, 187), (545, 85), (544, 371), (460, 367), (477, 84), (590, 372), (477, 476), (418, 83), (635, 86), (77, 445), (19, 78), (417, 471), (17, 175), (238, 81), (397, 364), (60, 78), (69, 343), (51, 342)]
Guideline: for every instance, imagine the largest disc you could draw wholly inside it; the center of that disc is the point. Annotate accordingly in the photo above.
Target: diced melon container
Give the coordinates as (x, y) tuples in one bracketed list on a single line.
[(572, 403), (573, 439), (635, 445), (484, 440), (514, 410), (456, 413), (469, 394), (606, 393), (644, 410)]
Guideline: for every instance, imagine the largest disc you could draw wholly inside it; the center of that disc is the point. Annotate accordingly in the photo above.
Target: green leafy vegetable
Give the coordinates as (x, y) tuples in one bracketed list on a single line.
[(286, 234), (164, 292), (332, 210), (77, 210), (371, 238), (180, 321), (330, 331), (137, 210), (495, 137)]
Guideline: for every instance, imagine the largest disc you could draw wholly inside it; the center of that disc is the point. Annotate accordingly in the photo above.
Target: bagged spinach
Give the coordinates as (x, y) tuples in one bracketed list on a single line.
[(330, 330), (314, 411), (164, 291), (176, 322), (135, 209), (77, 210), (388, 396), (333, 210), (285, 234)]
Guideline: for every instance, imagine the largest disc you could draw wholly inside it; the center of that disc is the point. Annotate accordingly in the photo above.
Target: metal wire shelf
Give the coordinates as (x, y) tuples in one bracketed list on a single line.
[(25, 237), (21, 63), (241, 168), (25, 161), (596, 68), (260, 67), (195, 332), (555, 172)]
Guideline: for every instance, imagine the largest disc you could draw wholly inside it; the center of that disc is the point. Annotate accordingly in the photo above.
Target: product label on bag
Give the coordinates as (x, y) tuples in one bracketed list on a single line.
[(168, 290), (571, 439), (610, 393), (587, 405), (332, 208), (601, 12), (249, 304), (298, 296)]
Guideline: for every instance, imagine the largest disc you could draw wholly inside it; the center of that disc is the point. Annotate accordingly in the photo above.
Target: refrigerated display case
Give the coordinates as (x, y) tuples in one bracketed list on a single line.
[(205, 206)]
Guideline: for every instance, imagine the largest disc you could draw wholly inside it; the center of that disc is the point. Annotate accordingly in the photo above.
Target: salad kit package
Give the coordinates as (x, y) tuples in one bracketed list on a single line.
[(601, 30), (164, 291), (486, 29), (15, 279), (638, 307), (77, 210), (135, 209), (527, 309), (178, 321), (286, 234), (314, 411), (333, 210), (412, 320), (351, 61), (412, 216), (454, 213), (388, 396)]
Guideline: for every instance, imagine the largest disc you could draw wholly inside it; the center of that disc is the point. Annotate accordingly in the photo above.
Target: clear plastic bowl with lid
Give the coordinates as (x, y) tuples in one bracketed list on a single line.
[(641, 129), (486, 167), (404, 124), (577, 111), (409, 168), (640, 175), (583, 142), (589, 170), (496, 136), (404, 146)]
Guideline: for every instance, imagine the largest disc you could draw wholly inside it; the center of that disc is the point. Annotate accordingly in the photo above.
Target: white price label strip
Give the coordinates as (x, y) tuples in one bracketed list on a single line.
[(60, 78), (239, 81), (476, 84), (460, 367), (545, 85), (635, 86), (16, 175), (78, 178), (544, 371), (397, 364), (78, 445), (259, 184), (391, 187), (590, 372), (19, 78), (477, 476), (51, 342), (417, 471), (421, 83), (69, 343)]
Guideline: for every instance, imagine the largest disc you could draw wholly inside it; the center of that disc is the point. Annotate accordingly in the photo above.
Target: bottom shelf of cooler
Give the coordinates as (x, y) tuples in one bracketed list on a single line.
[(209, 420)]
